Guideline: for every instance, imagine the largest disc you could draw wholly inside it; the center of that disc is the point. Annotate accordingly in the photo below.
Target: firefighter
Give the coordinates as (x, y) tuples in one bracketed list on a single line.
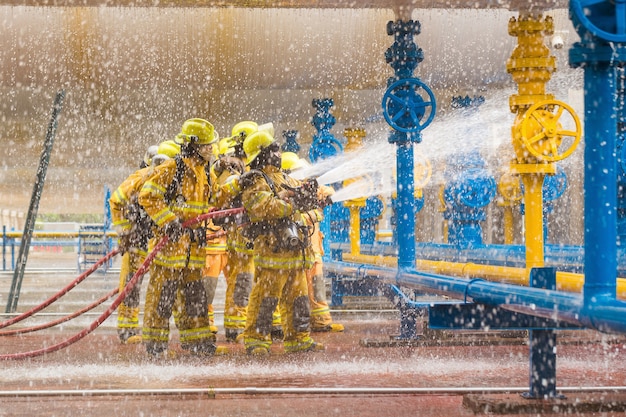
[(282, 251), (321, 319), (177, 192), (216, 246), (239, 271), (134, 229)]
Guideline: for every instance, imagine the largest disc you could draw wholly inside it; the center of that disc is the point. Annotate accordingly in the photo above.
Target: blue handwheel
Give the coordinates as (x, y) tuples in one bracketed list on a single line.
[(605, 19), (406, 102)]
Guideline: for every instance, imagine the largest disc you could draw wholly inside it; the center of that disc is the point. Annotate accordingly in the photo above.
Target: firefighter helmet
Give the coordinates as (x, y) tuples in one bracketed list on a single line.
[(169, 148), (290, 161), (267, 127), (255, 143), (244, 128), (226, 146), (197, 131)]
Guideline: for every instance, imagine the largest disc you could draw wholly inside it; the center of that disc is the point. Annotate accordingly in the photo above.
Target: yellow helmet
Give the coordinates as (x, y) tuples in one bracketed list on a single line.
[(169, 148), (247, 128), (255, 143), (198, 131), (290, 161), (226, 146)]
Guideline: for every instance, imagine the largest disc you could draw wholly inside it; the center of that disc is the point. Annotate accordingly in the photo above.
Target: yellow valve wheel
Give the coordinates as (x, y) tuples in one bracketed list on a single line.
[(543, 132), (510, 188)]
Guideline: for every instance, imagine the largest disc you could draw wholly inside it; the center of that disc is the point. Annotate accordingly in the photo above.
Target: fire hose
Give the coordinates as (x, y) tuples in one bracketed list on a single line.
[(122, 295), (62, 319), (61, 293)]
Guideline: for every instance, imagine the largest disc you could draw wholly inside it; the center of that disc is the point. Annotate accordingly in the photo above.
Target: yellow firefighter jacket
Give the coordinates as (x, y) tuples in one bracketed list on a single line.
[(262, 204), (126, 195), (190, 200)]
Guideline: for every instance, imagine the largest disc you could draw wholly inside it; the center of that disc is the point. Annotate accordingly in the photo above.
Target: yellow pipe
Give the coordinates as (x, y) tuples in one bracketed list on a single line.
[(533, 220), (508, 225), (355, 229), (565, 281)]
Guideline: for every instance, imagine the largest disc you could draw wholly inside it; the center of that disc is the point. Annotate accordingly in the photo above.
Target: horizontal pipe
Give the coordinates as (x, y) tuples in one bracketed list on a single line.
[(288, 390), (565, 281), (604, 315)]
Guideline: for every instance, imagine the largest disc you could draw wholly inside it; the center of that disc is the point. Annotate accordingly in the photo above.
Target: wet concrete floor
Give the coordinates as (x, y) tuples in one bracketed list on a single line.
[(364, 371)]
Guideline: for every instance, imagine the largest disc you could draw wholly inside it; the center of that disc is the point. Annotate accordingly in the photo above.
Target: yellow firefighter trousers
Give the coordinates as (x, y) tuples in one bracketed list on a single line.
[(215, 264), (193, 320), (320, 311), (128, 310), (288, 288), (239, 275)]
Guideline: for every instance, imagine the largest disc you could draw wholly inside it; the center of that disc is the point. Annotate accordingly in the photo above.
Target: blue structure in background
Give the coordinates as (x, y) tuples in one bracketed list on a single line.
[(538, 307), (469, 188), (408, 107), (323, 146), (291, 141), (370, 215)]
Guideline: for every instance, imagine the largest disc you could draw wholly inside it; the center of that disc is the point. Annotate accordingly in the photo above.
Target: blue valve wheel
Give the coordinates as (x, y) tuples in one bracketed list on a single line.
[(605, 19), (406, 102)]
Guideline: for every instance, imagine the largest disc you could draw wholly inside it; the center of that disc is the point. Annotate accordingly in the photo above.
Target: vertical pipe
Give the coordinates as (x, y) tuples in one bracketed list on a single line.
[(600, 183), (355, 229), (533, 219), (405, 204), (508, 225), (4, 247)]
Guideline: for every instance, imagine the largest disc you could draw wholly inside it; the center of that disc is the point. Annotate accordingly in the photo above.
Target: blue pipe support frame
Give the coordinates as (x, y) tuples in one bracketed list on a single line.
[(404, 206), (602, 314)]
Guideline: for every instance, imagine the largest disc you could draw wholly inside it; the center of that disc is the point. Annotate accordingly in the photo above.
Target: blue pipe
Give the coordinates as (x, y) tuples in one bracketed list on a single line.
[(404, 205), (603, 314), (600, 183)]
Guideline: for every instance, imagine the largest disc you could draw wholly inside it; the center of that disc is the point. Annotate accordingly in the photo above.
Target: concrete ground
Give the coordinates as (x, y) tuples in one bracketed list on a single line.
[(364, 371)]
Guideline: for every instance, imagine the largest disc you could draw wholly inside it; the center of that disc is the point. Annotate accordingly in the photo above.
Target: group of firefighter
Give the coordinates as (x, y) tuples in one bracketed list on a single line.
[(268, 247)]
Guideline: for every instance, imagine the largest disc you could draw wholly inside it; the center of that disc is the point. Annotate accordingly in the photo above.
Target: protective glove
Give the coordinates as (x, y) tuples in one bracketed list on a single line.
[(174, 230), (247, 179), (304, 199), (326, 201), (227, 163)]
